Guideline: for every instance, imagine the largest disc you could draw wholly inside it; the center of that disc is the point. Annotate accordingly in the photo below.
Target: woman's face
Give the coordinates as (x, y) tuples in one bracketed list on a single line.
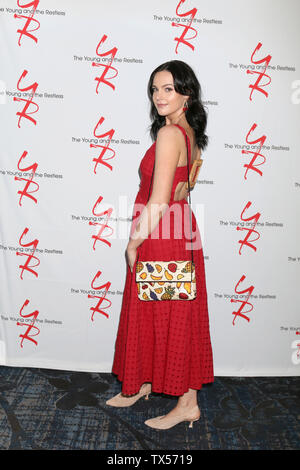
[(166, 100)]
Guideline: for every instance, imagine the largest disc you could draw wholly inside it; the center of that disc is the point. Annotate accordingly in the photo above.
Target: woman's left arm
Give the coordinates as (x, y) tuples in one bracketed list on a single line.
[(167, 153)]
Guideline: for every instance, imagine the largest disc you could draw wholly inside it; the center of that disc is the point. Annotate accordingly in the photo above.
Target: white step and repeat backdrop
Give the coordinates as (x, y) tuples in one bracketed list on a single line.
[(74, 128)]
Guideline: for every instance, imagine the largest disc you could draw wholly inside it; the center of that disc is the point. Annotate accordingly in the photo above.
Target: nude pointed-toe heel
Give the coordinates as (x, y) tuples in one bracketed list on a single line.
[(160, 423), (121, 401), (191, 422)]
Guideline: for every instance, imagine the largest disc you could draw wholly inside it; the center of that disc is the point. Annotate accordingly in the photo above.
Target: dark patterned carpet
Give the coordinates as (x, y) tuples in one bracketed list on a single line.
[(43, 409)]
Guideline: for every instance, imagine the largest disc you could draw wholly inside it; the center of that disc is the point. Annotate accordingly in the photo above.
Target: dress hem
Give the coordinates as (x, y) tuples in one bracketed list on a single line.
[(147, 380)]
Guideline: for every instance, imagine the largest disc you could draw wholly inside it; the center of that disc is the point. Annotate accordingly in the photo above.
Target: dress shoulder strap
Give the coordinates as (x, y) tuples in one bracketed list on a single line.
[(181, 128), (188, 139)]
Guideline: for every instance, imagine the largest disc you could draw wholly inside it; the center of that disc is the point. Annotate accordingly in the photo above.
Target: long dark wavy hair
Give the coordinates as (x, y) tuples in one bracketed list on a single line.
[(185, 83)]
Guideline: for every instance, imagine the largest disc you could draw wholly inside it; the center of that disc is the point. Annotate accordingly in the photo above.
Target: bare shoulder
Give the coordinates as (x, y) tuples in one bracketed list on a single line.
[(169, 131)]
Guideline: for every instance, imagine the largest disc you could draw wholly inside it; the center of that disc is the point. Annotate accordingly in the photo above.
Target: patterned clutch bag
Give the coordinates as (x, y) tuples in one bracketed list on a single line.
[(167, 280)]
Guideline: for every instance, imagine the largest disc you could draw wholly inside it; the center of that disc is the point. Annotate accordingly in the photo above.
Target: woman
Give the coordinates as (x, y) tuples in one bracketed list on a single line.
[(164, 346)]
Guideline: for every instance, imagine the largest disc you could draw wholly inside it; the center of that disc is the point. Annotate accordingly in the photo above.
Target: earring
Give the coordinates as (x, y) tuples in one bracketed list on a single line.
[(185, 107)]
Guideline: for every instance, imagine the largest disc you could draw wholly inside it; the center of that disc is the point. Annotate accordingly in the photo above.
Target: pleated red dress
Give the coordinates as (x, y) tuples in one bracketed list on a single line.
[(164, 342)]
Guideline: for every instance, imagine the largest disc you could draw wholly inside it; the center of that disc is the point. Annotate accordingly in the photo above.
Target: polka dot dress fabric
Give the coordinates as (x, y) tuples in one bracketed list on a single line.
[(164, 342)]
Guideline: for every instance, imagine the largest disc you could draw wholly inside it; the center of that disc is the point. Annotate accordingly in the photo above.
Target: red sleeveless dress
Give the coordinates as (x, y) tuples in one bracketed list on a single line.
[(164, 342)]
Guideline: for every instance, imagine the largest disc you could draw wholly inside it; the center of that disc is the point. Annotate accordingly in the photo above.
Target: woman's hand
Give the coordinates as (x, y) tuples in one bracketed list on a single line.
[(131, 254)]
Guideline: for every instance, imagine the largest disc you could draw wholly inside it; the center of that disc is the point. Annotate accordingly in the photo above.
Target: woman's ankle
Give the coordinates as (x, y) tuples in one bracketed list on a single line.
[(188, 399), (187, 405)]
